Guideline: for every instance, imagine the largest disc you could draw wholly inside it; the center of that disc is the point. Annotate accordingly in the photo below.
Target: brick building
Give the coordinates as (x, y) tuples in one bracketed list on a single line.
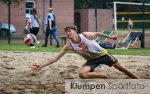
[(63, 9), (87, 19), (65, 15)]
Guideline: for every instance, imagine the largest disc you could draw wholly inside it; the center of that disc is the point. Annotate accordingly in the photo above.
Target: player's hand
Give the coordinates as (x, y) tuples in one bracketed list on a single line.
[(114, 37), (36, 68), (50, 29)]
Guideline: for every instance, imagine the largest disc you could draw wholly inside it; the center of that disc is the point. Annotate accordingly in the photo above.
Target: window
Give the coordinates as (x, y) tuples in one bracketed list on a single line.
[(30, 4)]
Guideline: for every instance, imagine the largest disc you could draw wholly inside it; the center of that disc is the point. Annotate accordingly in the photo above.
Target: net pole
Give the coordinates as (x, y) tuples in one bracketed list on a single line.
[(9, 3), (51, 38), (115, 17), (95, 13), (143, 25), (50, 3), (95, 19)]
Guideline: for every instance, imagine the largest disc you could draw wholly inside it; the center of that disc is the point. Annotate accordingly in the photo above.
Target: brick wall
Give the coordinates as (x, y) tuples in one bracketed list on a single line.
[(64, 10), (104, 19)]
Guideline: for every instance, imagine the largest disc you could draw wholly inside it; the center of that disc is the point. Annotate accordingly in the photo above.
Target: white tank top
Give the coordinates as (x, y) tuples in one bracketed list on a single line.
[(88, 49), (33, 37)]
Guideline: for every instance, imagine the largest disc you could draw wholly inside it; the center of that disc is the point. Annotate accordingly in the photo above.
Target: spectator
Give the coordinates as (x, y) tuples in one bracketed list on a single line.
[(34, 42), (35, 22), (51, 27), (28, 22), (130, 25)]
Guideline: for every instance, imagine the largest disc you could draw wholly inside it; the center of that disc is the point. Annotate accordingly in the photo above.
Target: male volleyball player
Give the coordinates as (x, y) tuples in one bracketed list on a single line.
[(84, 45)]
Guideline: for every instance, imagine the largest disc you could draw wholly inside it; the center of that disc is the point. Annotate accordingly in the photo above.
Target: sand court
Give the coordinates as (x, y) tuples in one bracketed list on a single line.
[(16, 76)]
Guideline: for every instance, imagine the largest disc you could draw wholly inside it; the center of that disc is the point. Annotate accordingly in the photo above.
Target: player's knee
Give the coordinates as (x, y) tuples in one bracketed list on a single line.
[(83, 75)]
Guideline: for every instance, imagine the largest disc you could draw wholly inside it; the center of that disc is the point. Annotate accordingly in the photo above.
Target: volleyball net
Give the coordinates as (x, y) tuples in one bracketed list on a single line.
[(125, 10)]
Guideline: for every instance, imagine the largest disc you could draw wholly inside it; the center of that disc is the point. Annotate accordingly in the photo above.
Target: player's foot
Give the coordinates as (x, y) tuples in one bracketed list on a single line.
[(44, 45), (38, 42), (32, 47), (57, 46)]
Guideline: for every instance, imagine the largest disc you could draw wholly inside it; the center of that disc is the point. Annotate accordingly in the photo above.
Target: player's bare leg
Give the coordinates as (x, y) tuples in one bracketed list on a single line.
[(85, 73), (125, 70)]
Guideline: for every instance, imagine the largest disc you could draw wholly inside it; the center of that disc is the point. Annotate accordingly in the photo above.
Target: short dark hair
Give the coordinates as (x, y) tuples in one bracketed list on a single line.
[(71, 27), (26, 31)]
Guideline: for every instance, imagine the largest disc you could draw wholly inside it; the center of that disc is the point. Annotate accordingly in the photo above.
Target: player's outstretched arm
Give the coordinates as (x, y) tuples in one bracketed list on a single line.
[(106, 36), (92, 35), (64, 50)]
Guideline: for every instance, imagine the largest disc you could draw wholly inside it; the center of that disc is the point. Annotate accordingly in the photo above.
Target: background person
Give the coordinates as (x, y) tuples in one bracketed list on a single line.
[(130, 25), (35, 22), (28, 23), (51, 28), (85, 46), (33, 39)]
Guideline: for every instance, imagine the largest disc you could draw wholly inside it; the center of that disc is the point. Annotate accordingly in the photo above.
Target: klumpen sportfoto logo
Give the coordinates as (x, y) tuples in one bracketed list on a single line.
[(111, 86)]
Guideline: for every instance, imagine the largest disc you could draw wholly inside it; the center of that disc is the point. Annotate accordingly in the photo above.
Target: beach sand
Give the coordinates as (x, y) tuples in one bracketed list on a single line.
[(16, 76)]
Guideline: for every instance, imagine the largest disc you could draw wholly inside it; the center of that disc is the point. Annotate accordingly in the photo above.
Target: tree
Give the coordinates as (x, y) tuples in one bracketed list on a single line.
[(102, 3), (83, 4)]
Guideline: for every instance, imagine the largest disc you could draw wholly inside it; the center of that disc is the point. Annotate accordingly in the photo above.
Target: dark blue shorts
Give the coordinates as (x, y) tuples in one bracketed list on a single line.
[(107, 59)]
